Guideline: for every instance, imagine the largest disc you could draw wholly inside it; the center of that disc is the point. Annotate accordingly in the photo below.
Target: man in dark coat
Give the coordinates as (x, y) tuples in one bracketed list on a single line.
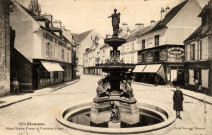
[(178, 102)]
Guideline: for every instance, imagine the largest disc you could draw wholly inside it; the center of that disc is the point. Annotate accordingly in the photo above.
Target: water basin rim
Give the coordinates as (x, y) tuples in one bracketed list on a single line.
[(144, 129)]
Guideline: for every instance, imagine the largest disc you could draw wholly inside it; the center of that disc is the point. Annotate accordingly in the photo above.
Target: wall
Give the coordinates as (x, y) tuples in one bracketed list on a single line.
[(150, 38), (4, 49), (184, 23)]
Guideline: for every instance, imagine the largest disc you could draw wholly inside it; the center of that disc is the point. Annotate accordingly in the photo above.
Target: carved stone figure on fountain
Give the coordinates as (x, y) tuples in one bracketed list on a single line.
[(114, 58), (115, 114), (126, 88), (115, 22), (103, 87)]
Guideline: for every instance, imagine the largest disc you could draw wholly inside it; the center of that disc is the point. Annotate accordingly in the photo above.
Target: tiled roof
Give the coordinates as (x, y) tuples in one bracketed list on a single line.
[(80, 37), (169, 16)]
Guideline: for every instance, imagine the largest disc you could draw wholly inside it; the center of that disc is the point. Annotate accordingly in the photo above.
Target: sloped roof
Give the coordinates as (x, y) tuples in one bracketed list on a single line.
[(199, 32), (105, 45), (194, 34), (138, 32), (169, 16), (125, 36), (80, 37)]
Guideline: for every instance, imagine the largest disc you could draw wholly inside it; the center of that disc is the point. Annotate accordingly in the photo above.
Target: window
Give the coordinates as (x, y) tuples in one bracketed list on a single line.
[(68, 56), (51, 50), (157, 40), (48, 49), (200, 49), (63, 54), (143, 44), (91, 37), (192, 52), (188, 53)]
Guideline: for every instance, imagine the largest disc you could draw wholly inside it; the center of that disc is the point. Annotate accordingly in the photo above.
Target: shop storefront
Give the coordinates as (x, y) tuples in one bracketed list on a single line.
[(46, 73), (197, 76), (171, 59)]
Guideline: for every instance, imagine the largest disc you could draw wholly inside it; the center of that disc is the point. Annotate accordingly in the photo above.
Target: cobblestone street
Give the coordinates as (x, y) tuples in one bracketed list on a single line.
[(40, 110)]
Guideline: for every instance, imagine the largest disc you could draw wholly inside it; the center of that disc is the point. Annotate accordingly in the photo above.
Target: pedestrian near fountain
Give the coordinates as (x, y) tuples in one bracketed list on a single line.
[(15, 84), (178, 102)]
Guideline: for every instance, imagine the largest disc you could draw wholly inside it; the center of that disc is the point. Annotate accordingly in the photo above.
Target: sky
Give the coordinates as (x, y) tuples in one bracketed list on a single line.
[(82, 15)]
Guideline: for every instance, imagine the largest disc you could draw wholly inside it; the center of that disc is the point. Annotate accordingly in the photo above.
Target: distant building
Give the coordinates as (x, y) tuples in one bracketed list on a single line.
[(4, 48), (41, 54), (129, 50), (162, 53), (83, 42), (198, 55)]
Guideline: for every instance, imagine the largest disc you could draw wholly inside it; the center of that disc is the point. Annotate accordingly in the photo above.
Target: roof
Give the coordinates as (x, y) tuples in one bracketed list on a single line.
[(105, 45), (199, 32), (169, 16), (139, 32), (38, 18), (194, 34), (80, 37), (206, 9)]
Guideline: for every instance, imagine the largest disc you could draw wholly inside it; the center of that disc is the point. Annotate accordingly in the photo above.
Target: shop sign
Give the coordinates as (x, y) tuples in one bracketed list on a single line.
[(176, 54), (163, 56), (176, 51), (150, 58)]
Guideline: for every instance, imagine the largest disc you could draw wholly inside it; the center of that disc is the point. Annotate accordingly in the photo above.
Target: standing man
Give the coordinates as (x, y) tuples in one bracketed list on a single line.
[(15, 86), (178, 101)]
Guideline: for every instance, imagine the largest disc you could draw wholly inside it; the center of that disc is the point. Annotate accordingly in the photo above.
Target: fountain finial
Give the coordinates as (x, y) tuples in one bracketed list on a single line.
[(115, 22)]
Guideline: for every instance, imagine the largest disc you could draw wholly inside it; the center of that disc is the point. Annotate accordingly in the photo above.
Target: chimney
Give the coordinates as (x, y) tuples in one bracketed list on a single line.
[(57, 24), (152, 22), (162, 13), (49, 17), (124, 29), (139, 25), (167, 9)]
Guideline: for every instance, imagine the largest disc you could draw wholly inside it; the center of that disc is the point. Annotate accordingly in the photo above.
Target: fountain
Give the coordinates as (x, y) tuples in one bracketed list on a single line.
[(114, 110)]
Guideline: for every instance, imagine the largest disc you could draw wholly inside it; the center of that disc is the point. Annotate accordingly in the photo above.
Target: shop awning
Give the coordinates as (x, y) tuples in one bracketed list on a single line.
[(155, 68), (51, 66), (139, 68)]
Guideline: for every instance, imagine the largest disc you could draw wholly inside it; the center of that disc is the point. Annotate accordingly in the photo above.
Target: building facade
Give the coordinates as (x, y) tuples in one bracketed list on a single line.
[(92, 57), (83, 43), (4, 48), (41, 54), (162, 54), (198, 55)]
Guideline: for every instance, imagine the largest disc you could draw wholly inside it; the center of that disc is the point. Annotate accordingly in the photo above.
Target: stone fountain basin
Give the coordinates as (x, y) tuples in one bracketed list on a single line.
[(162, 128)]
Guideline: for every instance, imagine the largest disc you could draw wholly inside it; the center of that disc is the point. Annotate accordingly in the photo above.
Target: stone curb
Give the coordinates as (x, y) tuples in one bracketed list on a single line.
[(202, 100), (29, 97), (10, 103), (66, 85)]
